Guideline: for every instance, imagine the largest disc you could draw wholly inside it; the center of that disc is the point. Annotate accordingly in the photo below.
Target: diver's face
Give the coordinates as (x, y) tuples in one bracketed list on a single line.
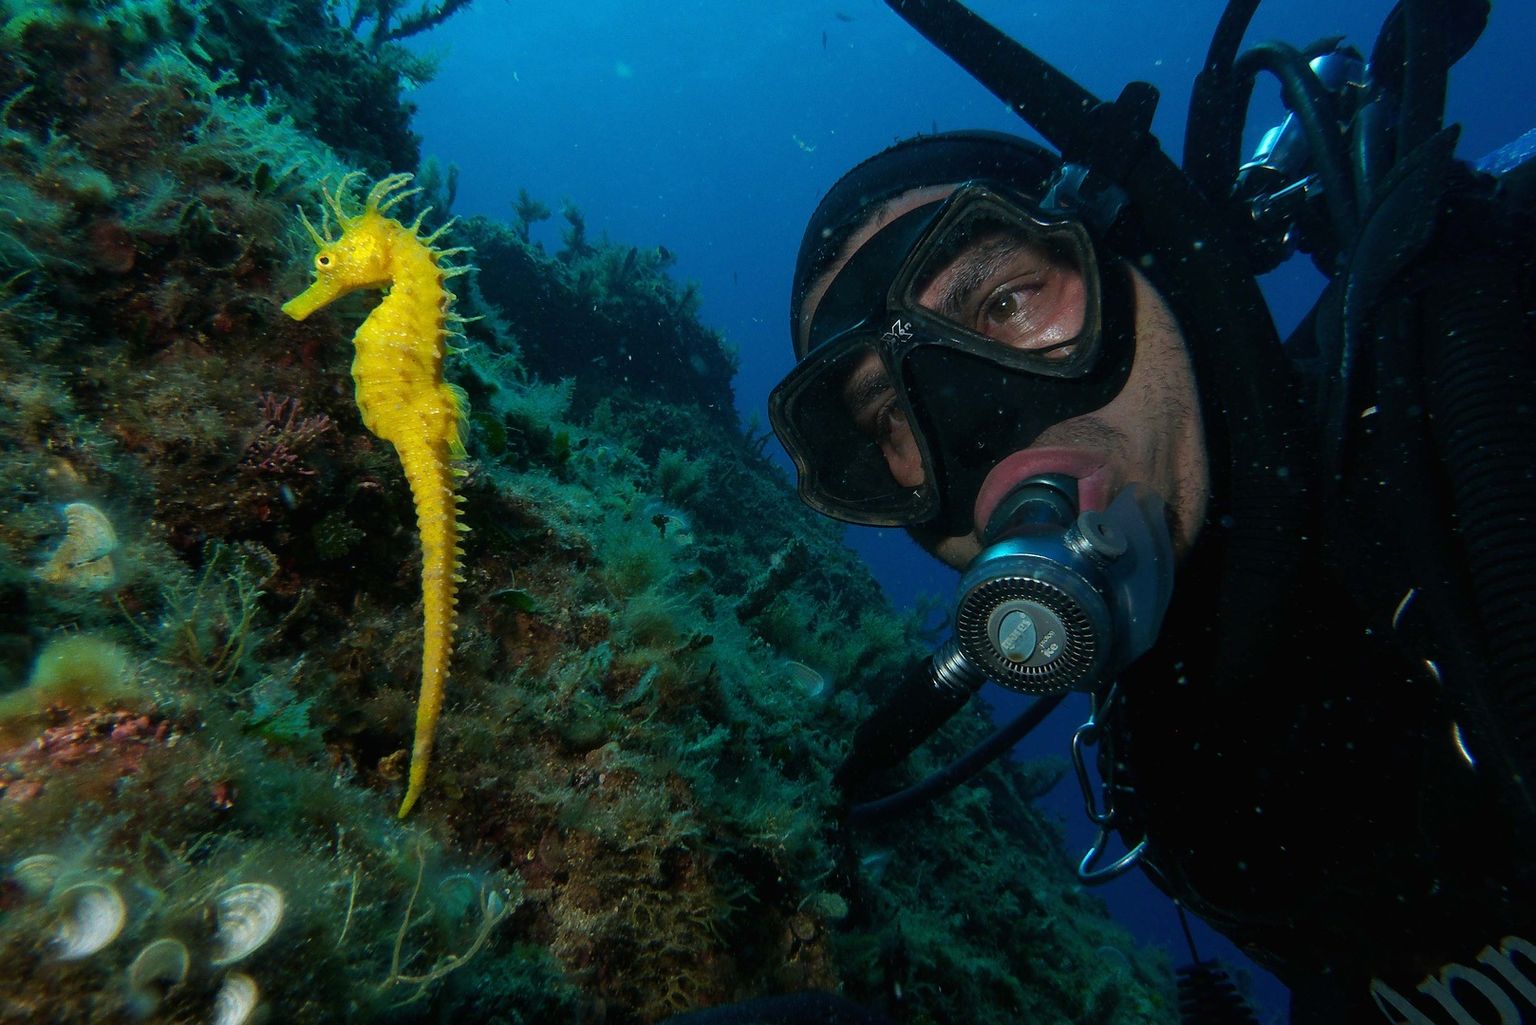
[(1149, 433)]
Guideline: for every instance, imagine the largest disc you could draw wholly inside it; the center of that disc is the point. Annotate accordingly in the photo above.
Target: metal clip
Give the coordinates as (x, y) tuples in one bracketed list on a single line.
[(1086, 736), (1115, 869)]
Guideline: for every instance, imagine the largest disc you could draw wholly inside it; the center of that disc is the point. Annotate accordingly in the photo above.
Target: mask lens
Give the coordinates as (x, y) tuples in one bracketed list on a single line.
[(1001, 277), (850, 434)]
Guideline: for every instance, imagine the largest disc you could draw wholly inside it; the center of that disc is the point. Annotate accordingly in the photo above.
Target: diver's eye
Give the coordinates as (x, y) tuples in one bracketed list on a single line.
[(1010, 286), (322, 261), (1008, 306), (889, 422), (872, 416), (1020, 314), (871, 401)]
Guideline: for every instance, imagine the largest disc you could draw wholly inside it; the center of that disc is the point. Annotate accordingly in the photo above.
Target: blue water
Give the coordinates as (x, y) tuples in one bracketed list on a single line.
[(713, 129)]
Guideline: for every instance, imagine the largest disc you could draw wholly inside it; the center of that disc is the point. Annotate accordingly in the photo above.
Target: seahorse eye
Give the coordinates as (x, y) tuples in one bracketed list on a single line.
[(322, 260)]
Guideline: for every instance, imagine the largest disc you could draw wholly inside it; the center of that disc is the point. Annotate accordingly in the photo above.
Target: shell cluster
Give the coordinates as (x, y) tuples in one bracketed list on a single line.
[(89, 914), (83, 559)]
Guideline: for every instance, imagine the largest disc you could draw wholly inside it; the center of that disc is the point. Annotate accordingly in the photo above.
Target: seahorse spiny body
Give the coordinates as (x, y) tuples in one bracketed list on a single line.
[(403, 399)]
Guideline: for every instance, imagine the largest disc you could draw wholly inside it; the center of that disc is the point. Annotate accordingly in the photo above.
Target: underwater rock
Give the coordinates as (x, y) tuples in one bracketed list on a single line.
[(94, 913), (248, 915), (786, 566), (236, 1000), (84, 559)]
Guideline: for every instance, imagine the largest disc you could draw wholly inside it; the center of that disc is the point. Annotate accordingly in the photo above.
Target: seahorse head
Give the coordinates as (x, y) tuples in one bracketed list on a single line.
[(360, 256)]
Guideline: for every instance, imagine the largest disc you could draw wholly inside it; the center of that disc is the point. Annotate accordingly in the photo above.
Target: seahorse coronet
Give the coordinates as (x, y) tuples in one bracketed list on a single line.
[(403, 397)]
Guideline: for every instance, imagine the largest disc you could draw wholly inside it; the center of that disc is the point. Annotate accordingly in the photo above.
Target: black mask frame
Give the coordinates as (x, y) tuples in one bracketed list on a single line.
[(970, 400)]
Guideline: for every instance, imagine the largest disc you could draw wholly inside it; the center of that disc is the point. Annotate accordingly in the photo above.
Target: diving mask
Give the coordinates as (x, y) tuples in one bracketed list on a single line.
[(950, 339)]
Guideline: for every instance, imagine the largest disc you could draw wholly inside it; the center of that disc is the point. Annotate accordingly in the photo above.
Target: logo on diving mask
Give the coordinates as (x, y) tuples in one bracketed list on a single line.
[(899, 331)]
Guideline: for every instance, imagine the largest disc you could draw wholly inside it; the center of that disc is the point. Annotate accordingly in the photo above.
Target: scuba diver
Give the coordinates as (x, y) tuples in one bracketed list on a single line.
[(1297, 579)]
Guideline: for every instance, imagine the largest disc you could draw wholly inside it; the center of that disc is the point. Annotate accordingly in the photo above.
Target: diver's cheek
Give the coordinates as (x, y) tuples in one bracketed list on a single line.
[(1069, 304), (903, 457), (957, 552)]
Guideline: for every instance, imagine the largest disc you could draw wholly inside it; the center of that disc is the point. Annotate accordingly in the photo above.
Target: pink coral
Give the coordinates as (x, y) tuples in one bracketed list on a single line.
[(283, 438), (113, 740)]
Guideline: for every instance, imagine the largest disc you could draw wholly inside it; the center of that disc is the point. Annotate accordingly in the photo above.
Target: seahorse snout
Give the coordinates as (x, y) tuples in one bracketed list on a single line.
[(322, 293)]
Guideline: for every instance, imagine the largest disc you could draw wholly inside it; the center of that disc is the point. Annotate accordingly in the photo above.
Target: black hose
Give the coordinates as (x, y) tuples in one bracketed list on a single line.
[(1229, 33), (958, 771), (1213, 132), (1107, 137), (1424, 74), (1307, 98), (1480, 368), (1370, 157), (930, 693)]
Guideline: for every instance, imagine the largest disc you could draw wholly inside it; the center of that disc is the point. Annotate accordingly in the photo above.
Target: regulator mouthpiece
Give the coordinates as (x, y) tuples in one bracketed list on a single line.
[(1060, 599)]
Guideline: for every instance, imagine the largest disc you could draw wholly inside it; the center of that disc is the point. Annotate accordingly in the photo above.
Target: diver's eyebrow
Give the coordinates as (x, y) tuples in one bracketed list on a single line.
[(971, 270), (865, 388)]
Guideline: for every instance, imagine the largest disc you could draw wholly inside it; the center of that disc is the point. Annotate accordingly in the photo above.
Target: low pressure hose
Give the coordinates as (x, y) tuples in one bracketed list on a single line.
[(931, 692), (1479, 367), (1213, 132), (961, 769), (1425, 69)]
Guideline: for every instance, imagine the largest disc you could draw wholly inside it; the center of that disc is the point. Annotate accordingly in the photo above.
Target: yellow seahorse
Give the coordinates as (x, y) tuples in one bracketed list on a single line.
[(403, 398)]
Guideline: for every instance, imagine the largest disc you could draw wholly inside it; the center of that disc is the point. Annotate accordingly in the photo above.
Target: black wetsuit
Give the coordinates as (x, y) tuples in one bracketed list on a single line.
[(1313, 805), (1292, 753)]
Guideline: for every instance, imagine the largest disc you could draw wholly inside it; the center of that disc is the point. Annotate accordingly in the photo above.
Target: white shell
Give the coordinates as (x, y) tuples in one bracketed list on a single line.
[(236, 1000), (810, 681), (93, 916), (161, 966), (248, 915), (84, 558), (37, 874)]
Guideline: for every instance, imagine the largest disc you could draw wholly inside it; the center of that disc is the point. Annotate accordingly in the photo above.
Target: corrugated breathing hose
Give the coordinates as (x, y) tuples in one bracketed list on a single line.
[(1480, 363)]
